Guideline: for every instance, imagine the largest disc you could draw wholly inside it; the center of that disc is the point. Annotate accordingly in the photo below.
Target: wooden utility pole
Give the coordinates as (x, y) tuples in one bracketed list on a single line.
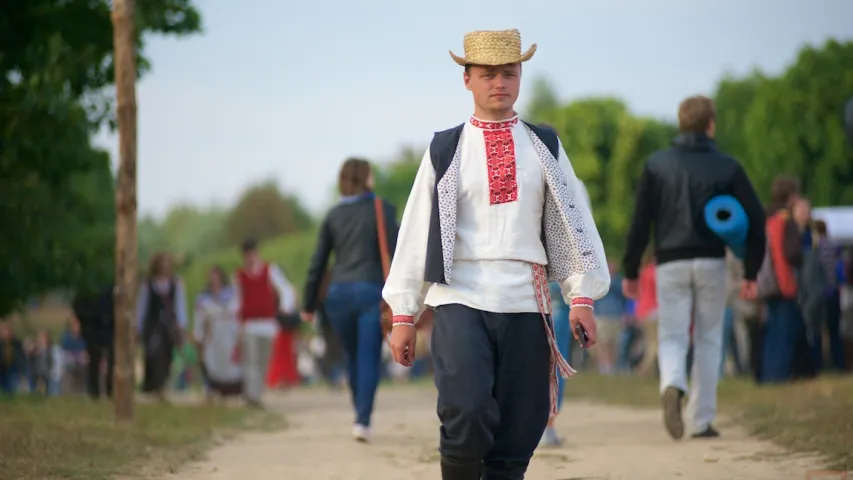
[(124, 46)]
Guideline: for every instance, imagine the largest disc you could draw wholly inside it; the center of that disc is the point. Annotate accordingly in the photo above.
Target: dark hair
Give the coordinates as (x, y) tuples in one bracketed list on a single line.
[(249, 245), (156, 265), (352, 179), (695, 114), (819, 227), (783, 188), (223, 277)]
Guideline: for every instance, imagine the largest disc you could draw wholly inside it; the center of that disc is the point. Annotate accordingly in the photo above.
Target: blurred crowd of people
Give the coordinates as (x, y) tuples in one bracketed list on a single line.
[(41, 365)]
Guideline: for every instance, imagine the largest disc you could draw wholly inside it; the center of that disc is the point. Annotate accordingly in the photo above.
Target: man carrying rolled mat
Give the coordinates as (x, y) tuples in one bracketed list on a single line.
[(675, 185)]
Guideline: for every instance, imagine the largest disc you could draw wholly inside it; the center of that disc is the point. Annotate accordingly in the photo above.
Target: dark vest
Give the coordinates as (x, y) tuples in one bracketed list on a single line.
[(441, 151)]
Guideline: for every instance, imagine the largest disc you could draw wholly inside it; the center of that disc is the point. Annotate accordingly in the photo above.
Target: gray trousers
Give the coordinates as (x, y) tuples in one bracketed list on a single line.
[(692, 290), (255, 358)]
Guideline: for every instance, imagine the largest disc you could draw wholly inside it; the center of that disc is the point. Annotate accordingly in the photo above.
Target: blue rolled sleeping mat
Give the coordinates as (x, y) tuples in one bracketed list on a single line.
[(726, 217)]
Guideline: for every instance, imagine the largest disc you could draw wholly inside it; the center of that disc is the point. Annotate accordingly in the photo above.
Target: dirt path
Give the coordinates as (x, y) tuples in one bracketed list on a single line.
[(602, 443)]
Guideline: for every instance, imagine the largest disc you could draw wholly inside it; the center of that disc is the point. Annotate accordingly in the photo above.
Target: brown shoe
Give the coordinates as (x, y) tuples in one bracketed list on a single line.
[(672, 412)]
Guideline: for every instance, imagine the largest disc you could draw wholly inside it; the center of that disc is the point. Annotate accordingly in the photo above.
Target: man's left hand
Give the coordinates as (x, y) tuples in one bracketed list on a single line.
[(585, 317), (307, 317), (749, 290)]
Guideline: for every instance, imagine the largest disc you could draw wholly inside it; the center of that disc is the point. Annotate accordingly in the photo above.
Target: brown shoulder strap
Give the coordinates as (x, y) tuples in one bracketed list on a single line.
[(383, 236)]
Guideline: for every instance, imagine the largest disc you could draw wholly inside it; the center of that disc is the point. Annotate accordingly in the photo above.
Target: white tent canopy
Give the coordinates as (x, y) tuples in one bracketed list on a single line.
[(839, 223)]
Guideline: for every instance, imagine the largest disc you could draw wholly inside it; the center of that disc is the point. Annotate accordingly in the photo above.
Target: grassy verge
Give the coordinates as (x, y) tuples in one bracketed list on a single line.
[(812, 416), (76, 439)]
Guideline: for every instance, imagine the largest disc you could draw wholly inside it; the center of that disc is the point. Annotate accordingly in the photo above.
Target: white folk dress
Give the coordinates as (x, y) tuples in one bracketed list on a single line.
[(216, 327)]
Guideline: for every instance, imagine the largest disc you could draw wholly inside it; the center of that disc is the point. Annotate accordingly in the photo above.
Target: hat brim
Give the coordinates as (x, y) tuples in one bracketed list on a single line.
[(503, 61)]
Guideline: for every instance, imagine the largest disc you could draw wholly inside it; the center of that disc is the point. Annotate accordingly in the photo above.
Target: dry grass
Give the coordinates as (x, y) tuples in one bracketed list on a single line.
[(77, 439), (807, 416)]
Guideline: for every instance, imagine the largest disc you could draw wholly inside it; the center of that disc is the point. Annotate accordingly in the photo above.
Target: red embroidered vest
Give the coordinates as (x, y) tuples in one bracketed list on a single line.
[(258, 295)]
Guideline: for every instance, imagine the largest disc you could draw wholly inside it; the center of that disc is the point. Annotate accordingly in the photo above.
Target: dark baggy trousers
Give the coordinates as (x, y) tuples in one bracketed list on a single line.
[(492, 372)]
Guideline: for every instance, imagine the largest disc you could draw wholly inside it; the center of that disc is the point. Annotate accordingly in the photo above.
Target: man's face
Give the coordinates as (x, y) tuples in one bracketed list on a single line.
[(494, 88), (250, 257)]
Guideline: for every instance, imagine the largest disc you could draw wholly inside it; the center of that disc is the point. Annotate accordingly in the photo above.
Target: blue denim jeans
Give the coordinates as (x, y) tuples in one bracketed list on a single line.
[(563, 335), (9, 381), (782, 330), (353, 311), (730, 342)]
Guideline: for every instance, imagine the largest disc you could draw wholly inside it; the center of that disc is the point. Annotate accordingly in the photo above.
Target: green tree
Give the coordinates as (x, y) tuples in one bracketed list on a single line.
[(793, 124), (607, 147), (394, 181), (57, 208), (264, 212)]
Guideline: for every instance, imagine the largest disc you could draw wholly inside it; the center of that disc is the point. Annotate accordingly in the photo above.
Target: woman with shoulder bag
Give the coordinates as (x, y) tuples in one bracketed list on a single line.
[(361, 230)]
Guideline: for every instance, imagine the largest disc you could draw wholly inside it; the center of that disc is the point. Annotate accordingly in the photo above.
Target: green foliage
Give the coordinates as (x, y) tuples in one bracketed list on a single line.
[(607, 146), (292, 253), (793, 123), (263, 212), (57, 213), (394, 182)]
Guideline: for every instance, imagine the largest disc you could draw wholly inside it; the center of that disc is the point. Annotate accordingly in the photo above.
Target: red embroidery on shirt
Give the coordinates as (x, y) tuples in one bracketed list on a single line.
[(500, 160), (582, 302)]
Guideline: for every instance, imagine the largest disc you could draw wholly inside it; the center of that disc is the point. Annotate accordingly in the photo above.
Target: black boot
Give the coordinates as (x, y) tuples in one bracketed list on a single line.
[(450, 471)]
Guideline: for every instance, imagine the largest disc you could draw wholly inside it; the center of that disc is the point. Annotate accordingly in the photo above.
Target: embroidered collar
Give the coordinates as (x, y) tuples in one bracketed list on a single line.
[(490, 125)]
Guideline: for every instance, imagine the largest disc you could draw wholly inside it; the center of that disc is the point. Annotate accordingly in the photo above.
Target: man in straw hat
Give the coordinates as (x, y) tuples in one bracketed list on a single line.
[(495, 213)]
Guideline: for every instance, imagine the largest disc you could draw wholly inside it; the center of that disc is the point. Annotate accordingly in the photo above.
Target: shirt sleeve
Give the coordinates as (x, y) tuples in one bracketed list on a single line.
[(641, 225), (198, 318), (141, 306), (181, 305), (405, 287), (236, 299), (592, 284), (286, 296)]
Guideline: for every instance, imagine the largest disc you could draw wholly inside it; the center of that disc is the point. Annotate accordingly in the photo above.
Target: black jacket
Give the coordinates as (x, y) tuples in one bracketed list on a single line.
[(349, 230), (96, 314), (675, 186)]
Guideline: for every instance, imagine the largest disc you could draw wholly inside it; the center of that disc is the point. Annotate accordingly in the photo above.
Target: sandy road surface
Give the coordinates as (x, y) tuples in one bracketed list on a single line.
[(602, 443)]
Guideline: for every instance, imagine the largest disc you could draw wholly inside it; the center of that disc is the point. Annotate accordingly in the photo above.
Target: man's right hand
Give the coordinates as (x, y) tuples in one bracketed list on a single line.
[(630, 288), (402, 342)]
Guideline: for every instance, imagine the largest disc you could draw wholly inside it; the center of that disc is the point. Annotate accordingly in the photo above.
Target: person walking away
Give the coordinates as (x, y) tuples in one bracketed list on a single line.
[(495, 213), (674, 187), (784, 327), (262, 292), (215, 331), (351, 230), (610, 311), (162, 321), (94, 311), (647, 315), (827, 298)]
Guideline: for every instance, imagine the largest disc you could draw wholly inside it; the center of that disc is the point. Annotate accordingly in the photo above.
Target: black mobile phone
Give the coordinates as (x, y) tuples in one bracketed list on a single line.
[(582, 336)]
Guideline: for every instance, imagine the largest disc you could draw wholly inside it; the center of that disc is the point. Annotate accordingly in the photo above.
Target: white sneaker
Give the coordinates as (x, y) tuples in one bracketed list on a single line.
[(361, 433)]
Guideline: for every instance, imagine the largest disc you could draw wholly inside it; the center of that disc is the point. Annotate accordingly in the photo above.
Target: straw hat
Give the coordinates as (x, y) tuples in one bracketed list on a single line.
[(490, 47)]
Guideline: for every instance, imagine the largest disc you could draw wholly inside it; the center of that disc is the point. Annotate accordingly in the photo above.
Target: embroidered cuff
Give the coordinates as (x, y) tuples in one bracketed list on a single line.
[(402, 320), (583, 302)]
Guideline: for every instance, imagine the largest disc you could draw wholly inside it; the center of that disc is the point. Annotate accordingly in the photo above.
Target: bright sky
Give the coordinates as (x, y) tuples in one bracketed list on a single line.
[(287, 90)]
